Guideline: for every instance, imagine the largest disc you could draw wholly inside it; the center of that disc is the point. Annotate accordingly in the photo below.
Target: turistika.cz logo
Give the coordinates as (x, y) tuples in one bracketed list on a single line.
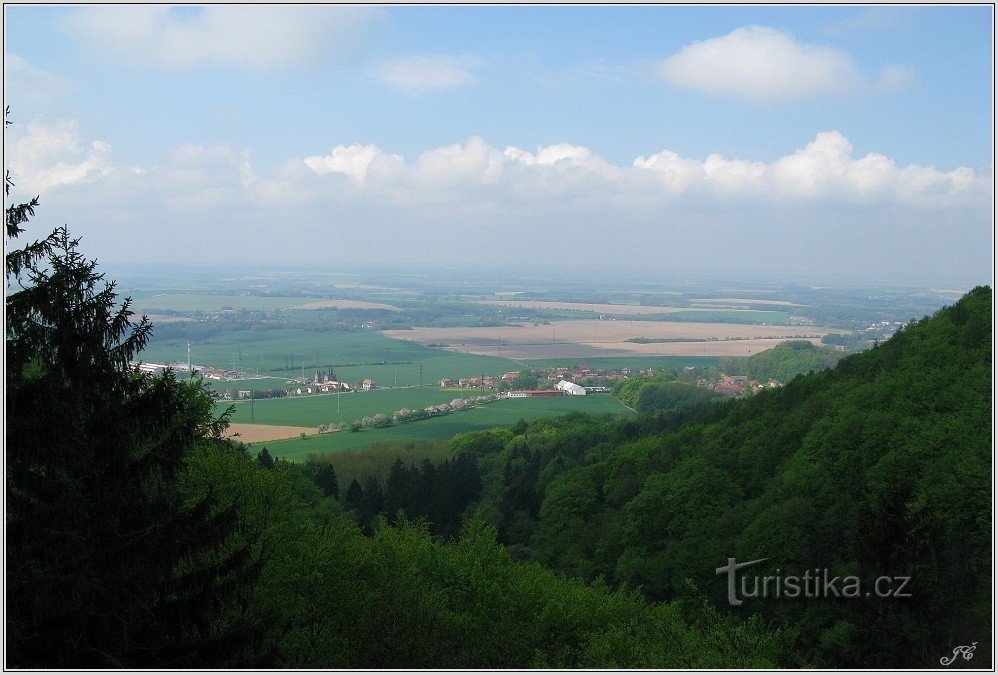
[(816, 583)]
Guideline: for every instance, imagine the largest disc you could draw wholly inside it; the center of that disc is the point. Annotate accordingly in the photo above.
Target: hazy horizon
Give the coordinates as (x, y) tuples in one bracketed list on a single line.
[(840, 145)]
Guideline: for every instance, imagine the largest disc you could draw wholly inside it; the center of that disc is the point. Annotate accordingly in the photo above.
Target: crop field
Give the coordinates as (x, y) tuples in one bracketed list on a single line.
[(345, 304), (743, 301), (354, 356), (724, 315), (181, 302), (582, 306), (254, 433), (589, 339), (500, 413), (634, 361), (311, 411), (708, 312), (252, 383)]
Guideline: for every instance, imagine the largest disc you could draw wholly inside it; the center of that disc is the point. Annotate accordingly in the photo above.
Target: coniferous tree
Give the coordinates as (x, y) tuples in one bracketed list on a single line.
[(325, 478), (265, 460), (354, 496), (107, 564)]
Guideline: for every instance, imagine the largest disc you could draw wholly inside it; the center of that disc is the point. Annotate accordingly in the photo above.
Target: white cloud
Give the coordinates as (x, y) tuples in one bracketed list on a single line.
[(825, 171), (895, 78), (872, 19), (765, 64), (466, 201), (45, 156), (29, 85), (262, 36), (419, 72), (356, 161)]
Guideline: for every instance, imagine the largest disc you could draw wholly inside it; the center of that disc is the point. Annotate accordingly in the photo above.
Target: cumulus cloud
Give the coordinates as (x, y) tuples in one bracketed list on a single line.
[(45, 156), (420, 72), (356, 161), (826, 170), (261, 36), (765, 64), (465, 201)]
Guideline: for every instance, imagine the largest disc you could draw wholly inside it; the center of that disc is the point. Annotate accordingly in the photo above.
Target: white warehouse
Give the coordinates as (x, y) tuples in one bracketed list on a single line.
[(571, 388)]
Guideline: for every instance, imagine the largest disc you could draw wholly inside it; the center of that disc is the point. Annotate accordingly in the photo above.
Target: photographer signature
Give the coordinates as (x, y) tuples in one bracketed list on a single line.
[(967, 652)]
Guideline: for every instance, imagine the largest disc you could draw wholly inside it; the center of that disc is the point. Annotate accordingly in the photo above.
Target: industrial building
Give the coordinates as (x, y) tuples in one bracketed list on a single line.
[(570, 388)]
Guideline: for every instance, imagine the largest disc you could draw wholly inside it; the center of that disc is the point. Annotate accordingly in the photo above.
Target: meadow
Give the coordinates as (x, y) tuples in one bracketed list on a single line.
[(353, 355), (311, 411), (500, 413)]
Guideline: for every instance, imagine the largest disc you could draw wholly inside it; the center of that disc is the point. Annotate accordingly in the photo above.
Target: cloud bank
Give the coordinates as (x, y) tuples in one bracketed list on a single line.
[(822, 209), (826, 169)]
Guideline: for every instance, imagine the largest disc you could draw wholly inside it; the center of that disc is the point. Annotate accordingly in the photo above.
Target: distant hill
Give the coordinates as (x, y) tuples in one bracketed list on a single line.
[(784, 361)]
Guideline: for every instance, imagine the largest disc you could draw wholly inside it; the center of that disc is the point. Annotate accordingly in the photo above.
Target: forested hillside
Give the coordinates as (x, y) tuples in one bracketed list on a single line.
[(878, 467)]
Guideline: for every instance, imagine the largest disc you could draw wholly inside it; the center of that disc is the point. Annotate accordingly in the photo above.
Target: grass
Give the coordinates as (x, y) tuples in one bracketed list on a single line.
[(354, 355), (636, 361), (500, 413), (252, 384), (311, 411)]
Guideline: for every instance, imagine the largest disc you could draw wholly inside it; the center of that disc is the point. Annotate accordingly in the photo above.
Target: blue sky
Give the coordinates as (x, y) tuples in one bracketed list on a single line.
[(597, 123)]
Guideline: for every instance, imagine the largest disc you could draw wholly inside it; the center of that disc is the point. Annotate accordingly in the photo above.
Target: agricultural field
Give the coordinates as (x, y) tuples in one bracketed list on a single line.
[(345, 304), (182, 302), (589, 339), (735, 302), (254, 433), (250, 383), (311, 411), (353, 356), (709, 312), (633, 361), (500, 413), (598, 308)]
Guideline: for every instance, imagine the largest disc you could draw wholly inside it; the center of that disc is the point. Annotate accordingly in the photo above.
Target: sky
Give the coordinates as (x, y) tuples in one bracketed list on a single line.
[(807, 144)]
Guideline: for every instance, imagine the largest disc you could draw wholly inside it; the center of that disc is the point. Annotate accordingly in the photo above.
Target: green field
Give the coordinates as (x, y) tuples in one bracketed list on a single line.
[(311, 411), (749, 316), (636, 361), (500, 413), (182, 302), (354, 355), (252, 384)]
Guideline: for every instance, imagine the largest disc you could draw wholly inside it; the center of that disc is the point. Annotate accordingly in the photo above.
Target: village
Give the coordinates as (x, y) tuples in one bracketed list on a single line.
[(578, 380)]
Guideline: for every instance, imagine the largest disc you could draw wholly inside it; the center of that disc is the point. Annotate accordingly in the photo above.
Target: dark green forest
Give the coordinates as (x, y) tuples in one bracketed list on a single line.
[(138, 537)]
